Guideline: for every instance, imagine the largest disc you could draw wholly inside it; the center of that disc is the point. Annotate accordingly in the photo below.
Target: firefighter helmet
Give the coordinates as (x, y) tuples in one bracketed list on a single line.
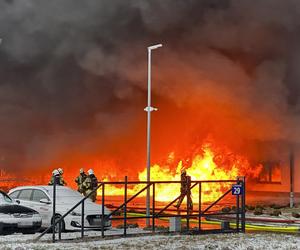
[(81, 171), (90, 171), (55, 172), (183, 171), (60, 170)]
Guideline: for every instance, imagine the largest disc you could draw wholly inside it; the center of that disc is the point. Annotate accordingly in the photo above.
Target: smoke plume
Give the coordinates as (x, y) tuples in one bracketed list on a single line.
[(73, 78)]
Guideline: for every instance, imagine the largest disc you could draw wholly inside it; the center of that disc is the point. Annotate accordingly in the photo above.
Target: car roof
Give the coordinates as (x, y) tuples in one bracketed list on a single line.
[(41, 187)]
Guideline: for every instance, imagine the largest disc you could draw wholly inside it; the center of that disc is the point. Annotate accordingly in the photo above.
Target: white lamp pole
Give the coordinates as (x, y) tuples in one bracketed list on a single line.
[(149, 109)]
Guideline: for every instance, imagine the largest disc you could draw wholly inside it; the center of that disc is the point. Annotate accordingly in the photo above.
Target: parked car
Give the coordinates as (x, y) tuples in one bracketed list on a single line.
[(16, 218), (40, 198)]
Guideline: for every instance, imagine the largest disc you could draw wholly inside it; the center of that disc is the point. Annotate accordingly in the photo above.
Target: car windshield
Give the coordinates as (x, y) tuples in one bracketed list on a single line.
[(4, 198)]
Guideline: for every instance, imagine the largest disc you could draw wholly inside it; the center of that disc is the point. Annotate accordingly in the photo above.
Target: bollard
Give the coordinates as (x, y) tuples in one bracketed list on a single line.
[(175, 224), (225, 225)]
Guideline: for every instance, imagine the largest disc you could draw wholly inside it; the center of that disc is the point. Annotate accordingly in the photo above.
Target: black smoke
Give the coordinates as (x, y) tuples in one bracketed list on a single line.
[(73, 75)]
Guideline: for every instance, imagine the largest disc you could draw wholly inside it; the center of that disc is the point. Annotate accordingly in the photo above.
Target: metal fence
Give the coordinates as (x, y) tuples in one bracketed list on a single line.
[(235, 189)]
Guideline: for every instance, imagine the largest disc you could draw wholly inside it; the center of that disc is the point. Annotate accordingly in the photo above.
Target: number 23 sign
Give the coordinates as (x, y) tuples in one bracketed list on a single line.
[(237, 189)]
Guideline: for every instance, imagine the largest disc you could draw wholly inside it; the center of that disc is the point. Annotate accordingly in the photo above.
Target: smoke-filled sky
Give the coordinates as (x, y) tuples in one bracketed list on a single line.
[(73, 78)]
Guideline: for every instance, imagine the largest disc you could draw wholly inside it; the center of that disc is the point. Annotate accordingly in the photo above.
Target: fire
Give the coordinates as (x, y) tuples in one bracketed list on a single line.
[(210, 162), (9, 181)]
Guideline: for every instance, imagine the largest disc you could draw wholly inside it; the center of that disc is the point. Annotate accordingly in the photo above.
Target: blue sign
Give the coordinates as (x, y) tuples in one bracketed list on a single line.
[(237, 189)]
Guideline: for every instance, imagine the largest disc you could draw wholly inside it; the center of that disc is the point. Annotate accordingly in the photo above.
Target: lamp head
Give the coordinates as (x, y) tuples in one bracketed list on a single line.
[(156, 46)]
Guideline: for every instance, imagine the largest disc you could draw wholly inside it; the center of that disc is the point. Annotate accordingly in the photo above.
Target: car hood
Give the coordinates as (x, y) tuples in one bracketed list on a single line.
[(16, 209)]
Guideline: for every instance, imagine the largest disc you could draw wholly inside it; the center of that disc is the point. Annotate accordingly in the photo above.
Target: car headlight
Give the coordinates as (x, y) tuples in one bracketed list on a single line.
[(75, 214)]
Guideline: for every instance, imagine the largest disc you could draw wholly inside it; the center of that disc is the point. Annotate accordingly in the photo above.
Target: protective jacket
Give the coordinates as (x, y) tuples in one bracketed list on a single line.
[(185, 184), (89, 184), (79, 180), (185, 191), (60, 181)]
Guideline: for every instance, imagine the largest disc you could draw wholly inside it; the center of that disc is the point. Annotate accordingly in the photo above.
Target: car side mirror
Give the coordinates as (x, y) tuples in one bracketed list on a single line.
[(18, 201), (45, 201)]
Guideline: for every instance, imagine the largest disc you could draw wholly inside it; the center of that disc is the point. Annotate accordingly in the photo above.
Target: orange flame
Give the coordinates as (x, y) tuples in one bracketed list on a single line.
[(213, 163)]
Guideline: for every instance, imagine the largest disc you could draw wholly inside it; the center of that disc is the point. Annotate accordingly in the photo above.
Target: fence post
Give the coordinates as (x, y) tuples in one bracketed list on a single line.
[(54, 204), (125, 207), (200, 201), (59, 231), (244, 205), (153, 207), (188, 197), (103, 211), (237, 209), (82, 220)]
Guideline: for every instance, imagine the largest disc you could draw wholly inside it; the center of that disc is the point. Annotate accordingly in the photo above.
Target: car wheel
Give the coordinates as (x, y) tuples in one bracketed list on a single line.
[(5, 231), (63, 228)]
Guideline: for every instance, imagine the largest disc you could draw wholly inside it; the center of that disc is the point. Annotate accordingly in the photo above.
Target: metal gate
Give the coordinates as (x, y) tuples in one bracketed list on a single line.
[(196, 221)]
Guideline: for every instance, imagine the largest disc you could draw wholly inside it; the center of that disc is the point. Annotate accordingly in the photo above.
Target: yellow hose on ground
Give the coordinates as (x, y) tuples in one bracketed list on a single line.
[(266, 228), (249, 227)]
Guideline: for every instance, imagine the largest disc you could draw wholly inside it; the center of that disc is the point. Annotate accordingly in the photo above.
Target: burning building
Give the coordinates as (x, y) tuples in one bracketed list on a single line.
[(73, 88)]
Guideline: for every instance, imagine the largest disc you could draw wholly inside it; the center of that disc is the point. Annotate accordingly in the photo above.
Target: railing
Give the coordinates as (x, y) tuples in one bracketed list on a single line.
[(201, 213)]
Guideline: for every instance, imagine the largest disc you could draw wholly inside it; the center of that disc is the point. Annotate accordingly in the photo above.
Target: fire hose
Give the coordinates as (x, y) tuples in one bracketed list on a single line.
[(265, 228), (249, 226)]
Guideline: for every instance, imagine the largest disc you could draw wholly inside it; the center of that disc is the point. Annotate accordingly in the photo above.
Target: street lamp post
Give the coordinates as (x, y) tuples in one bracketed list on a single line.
[(149, 109)]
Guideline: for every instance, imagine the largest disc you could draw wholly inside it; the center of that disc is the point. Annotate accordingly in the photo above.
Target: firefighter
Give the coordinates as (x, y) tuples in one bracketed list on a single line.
[(61, 178), (55, 174), (185, 190), (79, 180), (90, 183)]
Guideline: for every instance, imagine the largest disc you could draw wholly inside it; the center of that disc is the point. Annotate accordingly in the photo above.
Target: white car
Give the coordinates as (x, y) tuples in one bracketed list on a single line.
[(40, 199), (16, 218)]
